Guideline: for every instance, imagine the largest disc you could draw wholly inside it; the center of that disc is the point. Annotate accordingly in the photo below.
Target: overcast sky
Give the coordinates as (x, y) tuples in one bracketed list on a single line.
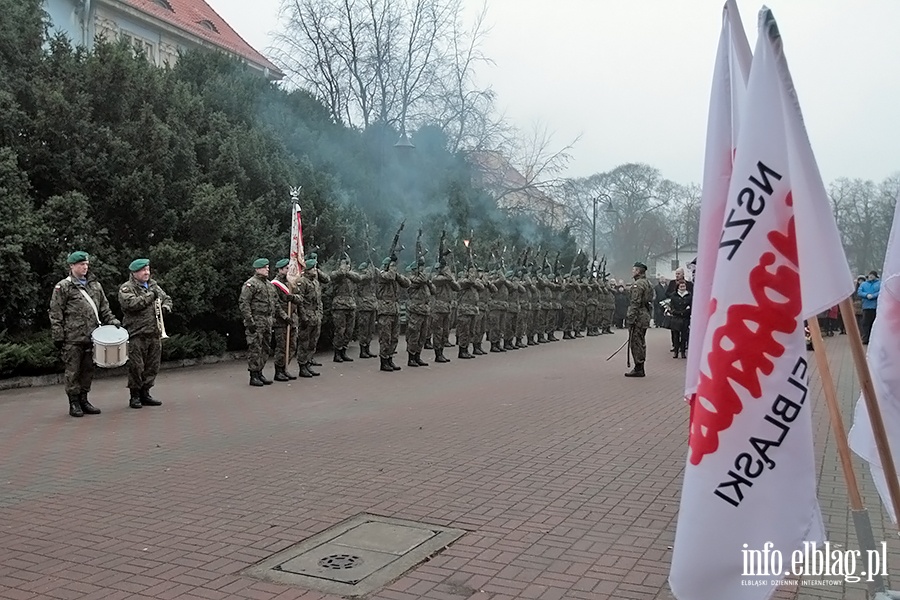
[(633, 76)]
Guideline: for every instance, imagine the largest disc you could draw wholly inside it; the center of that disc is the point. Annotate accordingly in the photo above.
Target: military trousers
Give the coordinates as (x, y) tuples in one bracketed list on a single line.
[(496, 320), (522, 322), (343, 320), (416, 332), (388, 334), (637, 342), (144, 352), (365, 326), (464, 325), (282, 357), (606, 316), (580, 316), (509, 325), (440, 329), (479, 326), (307, 340), (592, 316), (568, 319), (549, 322), (78, 361), (259, 344)]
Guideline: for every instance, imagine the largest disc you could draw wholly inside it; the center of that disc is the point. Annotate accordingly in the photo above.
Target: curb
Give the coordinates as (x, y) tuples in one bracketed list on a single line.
[(14, 383)]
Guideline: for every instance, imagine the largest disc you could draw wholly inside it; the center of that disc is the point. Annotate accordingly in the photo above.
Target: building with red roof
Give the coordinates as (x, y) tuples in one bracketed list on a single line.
[(159, 28)]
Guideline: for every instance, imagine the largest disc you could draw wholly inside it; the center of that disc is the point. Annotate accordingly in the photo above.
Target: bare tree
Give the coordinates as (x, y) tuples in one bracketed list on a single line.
[(864, 213)]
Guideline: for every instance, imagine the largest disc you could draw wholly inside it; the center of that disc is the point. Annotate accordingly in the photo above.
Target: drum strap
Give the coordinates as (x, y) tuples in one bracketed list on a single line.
[(91, 302)]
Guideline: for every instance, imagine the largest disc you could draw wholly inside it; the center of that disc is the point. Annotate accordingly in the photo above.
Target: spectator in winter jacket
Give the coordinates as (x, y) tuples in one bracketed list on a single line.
[(868, 292)]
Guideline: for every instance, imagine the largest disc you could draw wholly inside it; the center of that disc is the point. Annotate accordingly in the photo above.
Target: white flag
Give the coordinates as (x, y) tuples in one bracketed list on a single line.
[(884, 364), (729, 89), (297, 255), (749, 491)]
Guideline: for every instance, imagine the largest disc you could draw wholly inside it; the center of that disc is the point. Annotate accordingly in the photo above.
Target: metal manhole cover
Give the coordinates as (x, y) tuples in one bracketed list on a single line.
[(340, 561), (357, 556)]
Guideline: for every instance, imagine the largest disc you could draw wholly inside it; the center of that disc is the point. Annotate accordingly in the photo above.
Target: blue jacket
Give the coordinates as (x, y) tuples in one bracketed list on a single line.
[(866, 288)]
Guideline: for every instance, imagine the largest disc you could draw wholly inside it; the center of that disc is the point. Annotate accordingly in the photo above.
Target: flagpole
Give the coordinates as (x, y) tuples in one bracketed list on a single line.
[(861, 522), (868, 392)]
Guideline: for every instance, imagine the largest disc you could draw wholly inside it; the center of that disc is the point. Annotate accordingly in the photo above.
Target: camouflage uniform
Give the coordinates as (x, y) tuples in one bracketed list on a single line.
[(479, 325), (522, 315), (607, 307), (578, 323), (593, 308), (497, 314), (309, 289), (287, 303), (258, 308), (444, 287), (467, 311), (72, 320), (138, 302), (638, 319), (343, 310), (568, 292), (366, 307), (418, 309), (387, 288)]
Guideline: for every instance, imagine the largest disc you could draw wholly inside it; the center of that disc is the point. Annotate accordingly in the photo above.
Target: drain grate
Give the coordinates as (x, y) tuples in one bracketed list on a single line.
[(356, 557), (340, 561)]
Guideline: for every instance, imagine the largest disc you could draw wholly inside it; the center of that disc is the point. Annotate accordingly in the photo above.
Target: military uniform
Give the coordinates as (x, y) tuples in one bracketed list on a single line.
[(467, 312), (138, 302), (497, 314), (569, 290), (592, 314), (309, 289), (387, 290), (366, 309), (580, 315), (444, 287), (72, 320), (258, 307), (640, 309), (286, 323), (418, 309), (607, 307), (343, 310)]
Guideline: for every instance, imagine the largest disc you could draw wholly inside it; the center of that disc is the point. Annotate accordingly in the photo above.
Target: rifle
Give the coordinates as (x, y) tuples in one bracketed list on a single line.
[(368, 246), (556, 264), (525, 256), (419, 253), (502, 261), (344, 249), (574, 261), (469, 255), (443, 251), (392, 253)]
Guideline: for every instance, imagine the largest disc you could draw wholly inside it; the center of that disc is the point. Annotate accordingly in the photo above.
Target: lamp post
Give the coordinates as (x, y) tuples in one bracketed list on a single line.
[(610, 209)]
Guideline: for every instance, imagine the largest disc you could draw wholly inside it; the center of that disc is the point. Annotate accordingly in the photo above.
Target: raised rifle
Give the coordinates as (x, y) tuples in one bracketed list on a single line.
[(503, 261), (443, 251), (574, 262), (392, 253), (525, 254), (420, 254), (556, 264), (345, 249)]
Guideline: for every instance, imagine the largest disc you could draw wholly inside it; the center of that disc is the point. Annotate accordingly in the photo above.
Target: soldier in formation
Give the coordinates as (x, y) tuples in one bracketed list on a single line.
[(286, 322), (640, 308), (142, 302), (258, 304)]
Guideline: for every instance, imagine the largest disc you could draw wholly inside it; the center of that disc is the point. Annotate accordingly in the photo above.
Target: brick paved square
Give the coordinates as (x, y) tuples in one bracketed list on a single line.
[(565, 475)]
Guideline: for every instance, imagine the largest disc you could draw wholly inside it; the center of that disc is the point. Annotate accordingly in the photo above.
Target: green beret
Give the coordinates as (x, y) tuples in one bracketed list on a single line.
[(386, 261), (282, 263), (311, 262), (138, 264), (362, 266), (77, 257), (640, 265), (259, 263), (312, 256)]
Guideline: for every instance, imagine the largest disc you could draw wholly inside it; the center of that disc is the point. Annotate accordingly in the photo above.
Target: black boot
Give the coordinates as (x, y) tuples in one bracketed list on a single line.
[(344, 355), (288, 374), (439, 356), (385, 365), (391, 363), (638, 370), (428, 345), (411, 361), (364, 351), (567, 336), (147, 399), (255, 381), (464, 352), (263, 378), (521, 342), (86, 406), (135, 400), (337, 356), (476, 350), (75, 406), (313, 363), (419, 360), (280, 375), (551, 337), (502, 345), (495, 347), (305, 372), (578, 333), (309, 368)]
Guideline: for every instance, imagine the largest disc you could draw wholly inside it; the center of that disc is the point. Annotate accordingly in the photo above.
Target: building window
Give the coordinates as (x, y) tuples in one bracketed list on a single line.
[(140, 45), (207, 24), (165, 4)]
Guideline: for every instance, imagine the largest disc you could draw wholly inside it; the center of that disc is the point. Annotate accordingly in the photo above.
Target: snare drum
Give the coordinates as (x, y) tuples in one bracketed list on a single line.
[(110, 346)]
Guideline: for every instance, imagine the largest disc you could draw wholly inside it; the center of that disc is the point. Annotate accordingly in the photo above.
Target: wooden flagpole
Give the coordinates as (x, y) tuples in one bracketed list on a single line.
[(863, 525), (868, 392)]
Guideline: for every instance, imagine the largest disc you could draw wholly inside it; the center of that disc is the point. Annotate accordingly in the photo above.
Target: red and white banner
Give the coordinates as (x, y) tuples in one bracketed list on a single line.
[(884, 365), (749, 491), (729, 90), (297, 255)]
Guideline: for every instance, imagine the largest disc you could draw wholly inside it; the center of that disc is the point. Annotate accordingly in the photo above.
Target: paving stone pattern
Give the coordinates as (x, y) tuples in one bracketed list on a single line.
[(565, 474)]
